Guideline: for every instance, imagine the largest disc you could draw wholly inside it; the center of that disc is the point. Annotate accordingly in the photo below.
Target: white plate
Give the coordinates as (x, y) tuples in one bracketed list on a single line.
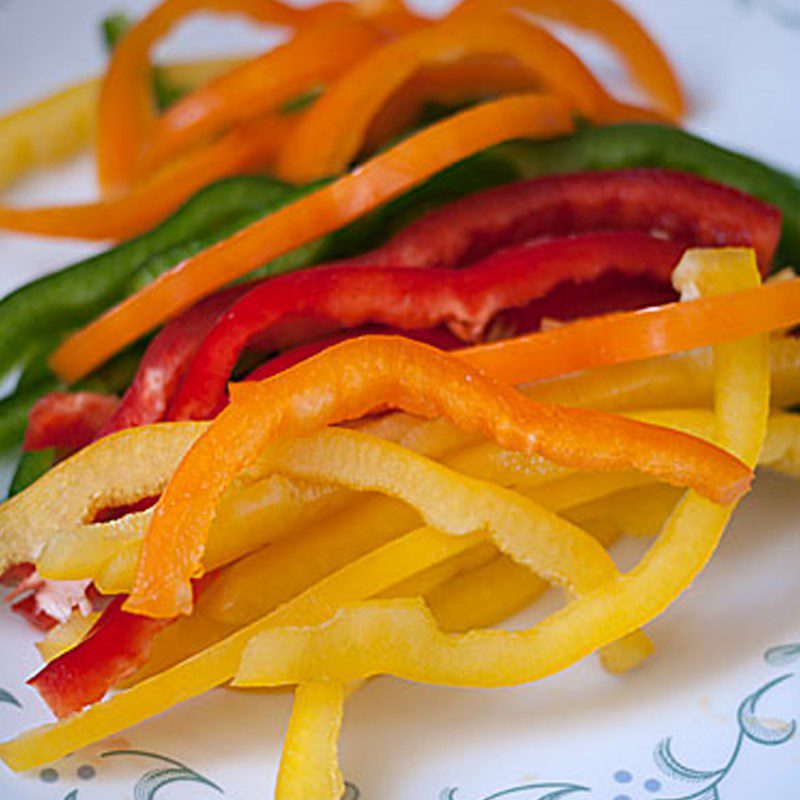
[(711, 717)]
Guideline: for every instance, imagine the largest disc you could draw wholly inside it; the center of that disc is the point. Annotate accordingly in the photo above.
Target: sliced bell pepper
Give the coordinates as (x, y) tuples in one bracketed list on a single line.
[(354, 644), (309, 760), (68, 421), (466, 300), (66, 635), (251, 145), (439, 337), (350, 380), (635, 144), (673, 204), (326, 209), (114, 648), (332, 133), (373, 574), (61, 124), (126, 112), (631, 336), (449, 84), (645, 61), (164, 362), (259, 87)]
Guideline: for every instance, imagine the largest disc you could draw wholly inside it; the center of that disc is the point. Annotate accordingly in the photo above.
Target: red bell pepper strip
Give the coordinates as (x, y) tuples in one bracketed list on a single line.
[(118, 644), (67, 421), (675, 204), (437, 337), (165, 361), (466, 300)]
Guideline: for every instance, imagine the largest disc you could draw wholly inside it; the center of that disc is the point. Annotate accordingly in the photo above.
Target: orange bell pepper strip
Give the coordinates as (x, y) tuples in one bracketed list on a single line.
[(333, 132), (325, 210), (261, 86), (126, 112), (644, 59), (632, 336), (471, 78), (363, 374), (354, 644), (249, 147)]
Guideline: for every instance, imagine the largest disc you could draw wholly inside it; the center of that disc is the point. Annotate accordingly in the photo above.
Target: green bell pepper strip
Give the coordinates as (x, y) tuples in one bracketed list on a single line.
[(648, 145), (56, 303)]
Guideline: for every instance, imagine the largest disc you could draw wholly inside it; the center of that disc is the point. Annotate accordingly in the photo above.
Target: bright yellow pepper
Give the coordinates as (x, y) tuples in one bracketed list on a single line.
[(353, 645)]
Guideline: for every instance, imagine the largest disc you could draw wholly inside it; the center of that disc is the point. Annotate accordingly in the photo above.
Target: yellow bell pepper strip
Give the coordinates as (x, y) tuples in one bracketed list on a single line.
[(315, 214), (374, 573), (66, 635), (360, 375), (354, 645), (251, 516), (252, 145), (62, 124), (333, 131), (309, 761), (126, 112), (644, 59), (638, 512), (259, 87), (65, 497)]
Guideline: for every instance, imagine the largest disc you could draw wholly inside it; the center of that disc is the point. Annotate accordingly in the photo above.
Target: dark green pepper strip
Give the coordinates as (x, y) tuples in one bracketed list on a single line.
[(56, 303), (644, 145)]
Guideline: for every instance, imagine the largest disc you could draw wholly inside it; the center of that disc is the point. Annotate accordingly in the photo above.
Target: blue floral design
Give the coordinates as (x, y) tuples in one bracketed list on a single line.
[(155, 780), (9, 699), (529, 791), (751, 729)]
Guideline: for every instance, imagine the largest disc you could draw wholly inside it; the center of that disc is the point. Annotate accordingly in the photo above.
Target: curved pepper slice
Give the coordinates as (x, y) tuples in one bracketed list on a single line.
[(259, 87), (327, 209), (354, 644), (332, 133), (632, 336), (126, 112), (164, 362), (466, 299), (253, 144), (352, 379), (616, 26), (61, 124), (676, 204)]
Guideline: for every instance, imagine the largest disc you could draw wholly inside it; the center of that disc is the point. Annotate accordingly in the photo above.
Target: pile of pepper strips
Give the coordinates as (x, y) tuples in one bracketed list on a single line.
[(448, 239)]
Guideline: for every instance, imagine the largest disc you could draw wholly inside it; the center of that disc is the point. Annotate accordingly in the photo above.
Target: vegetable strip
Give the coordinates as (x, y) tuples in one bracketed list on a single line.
[(354, 645), (331, 134), (327, 209), (354, 378), (616, 26), (466, 300)]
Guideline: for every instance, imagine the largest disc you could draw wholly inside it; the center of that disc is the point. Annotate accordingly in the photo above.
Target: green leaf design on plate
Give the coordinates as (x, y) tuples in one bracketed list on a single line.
[(670, 765), (782, 655), (155, 780), (73, 795), (754, 728), (528, 791), (9, 699)]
